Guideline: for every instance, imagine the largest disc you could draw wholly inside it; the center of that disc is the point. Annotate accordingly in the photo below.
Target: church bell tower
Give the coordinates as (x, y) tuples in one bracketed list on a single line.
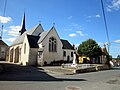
[(23, 29)]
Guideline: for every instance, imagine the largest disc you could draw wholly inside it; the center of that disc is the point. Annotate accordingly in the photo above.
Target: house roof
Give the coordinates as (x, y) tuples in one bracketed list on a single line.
[(67, 45), (33, 41), (43, 35), (31, 31), (104, 51), (3, 43), (20, 38)]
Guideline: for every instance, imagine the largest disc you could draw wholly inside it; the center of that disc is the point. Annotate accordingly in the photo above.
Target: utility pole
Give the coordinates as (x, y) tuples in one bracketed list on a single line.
[(106, 27)]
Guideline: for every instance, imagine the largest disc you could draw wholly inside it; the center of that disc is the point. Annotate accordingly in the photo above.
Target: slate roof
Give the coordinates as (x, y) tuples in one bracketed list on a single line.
[(3, 43), (33, 41), (43, 35), (20, 38), (67, 45)]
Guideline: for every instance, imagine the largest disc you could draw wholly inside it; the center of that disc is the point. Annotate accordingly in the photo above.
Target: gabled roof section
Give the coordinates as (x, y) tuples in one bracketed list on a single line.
[(43, 35), (67, 45), (34, 31), (33, 41), (19, 39), (3, 43)]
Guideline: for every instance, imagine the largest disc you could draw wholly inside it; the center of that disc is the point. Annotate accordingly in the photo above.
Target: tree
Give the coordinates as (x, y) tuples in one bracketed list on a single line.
[(89, 48), (118, 57)]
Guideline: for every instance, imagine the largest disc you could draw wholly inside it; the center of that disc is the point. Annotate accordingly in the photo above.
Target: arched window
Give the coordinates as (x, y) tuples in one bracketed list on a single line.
[(52, 44)]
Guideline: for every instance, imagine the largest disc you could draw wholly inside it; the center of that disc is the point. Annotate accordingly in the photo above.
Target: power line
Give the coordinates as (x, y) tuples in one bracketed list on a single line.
[(106, 27), (4, 10)]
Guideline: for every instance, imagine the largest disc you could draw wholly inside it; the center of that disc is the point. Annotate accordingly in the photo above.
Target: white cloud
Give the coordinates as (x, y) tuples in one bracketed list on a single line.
[(4, 30), (10, 39), (14, 30), (70, 17), (76, 26), (72, 35), (100, 43), (80, 32), (97, 16), (4, 19), (76, 45), (116, 41), (115, 47), (94, 16), (115, 5), (69, 29)]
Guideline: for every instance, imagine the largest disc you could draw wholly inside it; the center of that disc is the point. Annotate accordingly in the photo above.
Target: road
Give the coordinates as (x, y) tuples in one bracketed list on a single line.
[(16, 77)]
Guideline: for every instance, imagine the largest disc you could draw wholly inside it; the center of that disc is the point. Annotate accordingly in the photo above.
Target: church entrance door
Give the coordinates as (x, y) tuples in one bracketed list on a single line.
[(40, 58)]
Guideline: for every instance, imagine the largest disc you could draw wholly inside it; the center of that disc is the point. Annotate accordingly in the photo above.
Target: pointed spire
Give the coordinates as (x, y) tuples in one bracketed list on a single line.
[(23, 29)]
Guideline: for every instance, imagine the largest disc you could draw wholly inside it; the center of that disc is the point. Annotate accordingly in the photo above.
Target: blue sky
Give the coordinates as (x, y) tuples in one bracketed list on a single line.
[(75, 20)]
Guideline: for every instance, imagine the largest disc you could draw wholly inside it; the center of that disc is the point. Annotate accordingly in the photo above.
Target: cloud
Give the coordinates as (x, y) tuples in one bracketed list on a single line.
[(80, 32), (116, 41), (97, 16), (115, 5), (94, 16), (77, 28), (10, 39), (69, 29), (115, 47), (4, 30), (5, 19), (14, 30), (70, 17), (76, 45), (72, 35)]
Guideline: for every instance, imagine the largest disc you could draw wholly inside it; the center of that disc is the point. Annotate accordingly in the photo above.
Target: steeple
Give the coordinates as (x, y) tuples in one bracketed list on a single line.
[(23, 26)]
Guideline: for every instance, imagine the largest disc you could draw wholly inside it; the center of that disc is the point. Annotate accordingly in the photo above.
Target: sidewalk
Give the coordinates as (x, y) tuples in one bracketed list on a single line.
[(57, 70), (71, 71)]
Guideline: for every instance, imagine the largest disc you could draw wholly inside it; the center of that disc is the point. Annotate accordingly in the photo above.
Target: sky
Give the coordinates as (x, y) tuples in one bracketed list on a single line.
[(75, 20)]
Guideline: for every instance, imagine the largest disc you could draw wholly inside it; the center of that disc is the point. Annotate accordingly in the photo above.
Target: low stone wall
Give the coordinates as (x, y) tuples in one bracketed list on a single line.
[(82, 68), (90, 69)]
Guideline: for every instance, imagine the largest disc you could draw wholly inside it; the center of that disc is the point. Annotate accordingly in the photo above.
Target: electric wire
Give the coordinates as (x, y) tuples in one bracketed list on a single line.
[(106, 26), (4, 11)]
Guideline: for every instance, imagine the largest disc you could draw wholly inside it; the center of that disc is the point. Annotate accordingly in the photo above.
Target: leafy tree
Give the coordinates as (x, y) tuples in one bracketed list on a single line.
[(118, 57), (89, 48)]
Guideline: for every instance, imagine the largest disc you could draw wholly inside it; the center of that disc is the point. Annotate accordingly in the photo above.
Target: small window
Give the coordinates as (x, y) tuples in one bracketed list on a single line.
[(71, 54), (64, 53), (24, 48)]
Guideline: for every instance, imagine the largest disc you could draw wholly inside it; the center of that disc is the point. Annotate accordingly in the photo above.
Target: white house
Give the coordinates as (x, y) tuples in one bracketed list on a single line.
[(36, 46), (3, 48)]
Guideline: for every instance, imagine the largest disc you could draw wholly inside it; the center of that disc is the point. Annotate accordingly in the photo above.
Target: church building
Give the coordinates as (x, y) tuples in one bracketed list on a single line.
[(38, 46)]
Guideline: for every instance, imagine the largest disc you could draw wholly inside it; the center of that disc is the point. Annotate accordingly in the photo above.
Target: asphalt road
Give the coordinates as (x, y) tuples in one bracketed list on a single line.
[(16, 77)]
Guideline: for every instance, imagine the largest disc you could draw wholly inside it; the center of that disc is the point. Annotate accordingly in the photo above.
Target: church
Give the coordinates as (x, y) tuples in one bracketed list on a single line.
[(38, 46)]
